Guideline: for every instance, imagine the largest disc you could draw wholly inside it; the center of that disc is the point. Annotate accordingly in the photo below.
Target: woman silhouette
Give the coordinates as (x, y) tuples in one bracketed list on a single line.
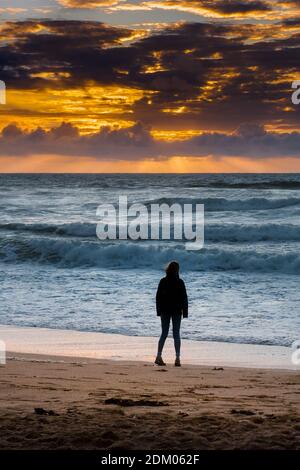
[(171, 302)]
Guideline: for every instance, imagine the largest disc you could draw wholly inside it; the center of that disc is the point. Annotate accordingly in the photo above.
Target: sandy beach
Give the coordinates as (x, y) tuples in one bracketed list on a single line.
[(149, 231), (51, 402)]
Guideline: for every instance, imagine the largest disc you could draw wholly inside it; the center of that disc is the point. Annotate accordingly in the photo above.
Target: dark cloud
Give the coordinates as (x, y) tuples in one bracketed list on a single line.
[(75, 47), (225, 7), (235, 6), (136, 142), (291, 22), (108, 143), (246, 78), (215, 73)]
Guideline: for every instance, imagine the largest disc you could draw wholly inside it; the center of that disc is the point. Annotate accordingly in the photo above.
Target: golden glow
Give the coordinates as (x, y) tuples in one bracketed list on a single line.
[(11, 31), (217, 56), (88, 3), (215, 85), (58, 164), (157, 67), (173, 135), (87, 108), (282, 128), (181, 109), (276, 10), (154, 68), (51, 75), (199, 8), (134, 35), (283, 78)]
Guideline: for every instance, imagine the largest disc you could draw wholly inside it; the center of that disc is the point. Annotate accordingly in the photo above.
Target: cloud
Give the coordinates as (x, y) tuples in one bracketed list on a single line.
[(202, 75), (226, 9), (214, 8), (12, 10), (219, 8), (136, 143), (79, 48), (89, 4), (232, 7)]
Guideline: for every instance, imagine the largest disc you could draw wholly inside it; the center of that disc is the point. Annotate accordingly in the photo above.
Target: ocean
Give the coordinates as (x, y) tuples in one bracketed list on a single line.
[(243, 286)]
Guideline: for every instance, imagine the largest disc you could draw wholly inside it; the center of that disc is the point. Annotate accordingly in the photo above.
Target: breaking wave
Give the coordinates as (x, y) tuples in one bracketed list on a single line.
[(84, 253), (229, 232)]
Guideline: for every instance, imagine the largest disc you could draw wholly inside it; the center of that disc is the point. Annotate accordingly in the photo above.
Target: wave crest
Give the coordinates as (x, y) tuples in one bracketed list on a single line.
[(75, 253)]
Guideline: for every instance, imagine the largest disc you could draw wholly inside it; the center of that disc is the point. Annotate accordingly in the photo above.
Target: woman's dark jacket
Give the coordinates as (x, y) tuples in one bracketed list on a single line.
[(171, 297)]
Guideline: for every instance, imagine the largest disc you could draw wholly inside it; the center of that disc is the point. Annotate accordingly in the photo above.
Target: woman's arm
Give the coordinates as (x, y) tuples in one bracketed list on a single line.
[(185, 307), (159, 299)]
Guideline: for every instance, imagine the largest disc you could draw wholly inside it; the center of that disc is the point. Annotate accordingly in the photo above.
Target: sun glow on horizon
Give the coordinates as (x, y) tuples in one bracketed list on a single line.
[(63, 164)]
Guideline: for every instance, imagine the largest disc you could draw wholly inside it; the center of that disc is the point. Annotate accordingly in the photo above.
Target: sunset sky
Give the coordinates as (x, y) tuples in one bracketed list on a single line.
[(149, 86)]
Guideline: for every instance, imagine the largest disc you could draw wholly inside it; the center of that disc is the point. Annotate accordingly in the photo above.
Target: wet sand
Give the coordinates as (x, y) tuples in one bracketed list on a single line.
[(95, 345)]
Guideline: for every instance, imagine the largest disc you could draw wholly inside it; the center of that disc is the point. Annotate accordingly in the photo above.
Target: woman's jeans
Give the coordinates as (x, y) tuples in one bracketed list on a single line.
[(165, 325)]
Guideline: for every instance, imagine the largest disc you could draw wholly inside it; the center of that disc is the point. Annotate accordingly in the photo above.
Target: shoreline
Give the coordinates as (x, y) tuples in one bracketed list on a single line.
[(116, 347)]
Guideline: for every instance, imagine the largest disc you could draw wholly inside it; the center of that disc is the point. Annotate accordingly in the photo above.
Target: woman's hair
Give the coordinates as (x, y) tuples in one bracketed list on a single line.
[(172, 269)]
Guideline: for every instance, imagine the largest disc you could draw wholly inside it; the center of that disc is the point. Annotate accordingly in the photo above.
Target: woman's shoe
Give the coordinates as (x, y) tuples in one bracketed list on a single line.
[(177, 362), (159, 362)]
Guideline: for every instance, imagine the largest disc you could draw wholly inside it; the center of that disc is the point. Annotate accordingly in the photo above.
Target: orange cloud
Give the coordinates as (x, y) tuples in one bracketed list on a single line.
[(217, 8), (90, 4), (88, 108), (234, 9)]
